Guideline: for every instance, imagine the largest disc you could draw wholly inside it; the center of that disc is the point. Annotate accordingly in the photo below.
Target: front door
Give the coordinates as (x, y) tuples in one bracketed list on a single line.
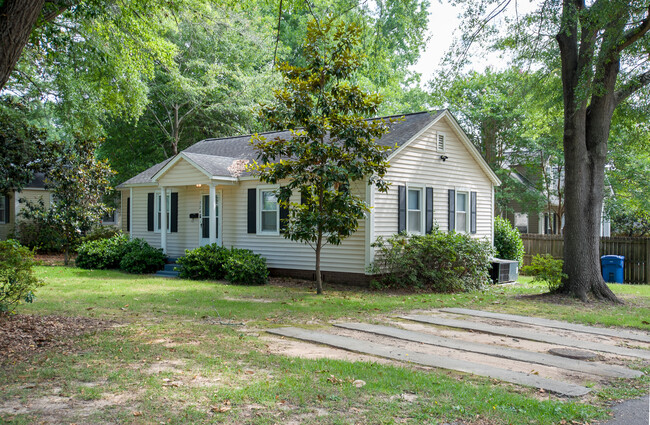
[(204, 227)]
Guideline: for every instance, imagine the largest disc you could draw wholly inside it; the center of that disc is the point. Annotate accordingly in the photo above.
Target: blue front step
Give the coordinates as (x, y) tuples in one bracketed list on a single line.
[(168, 270)]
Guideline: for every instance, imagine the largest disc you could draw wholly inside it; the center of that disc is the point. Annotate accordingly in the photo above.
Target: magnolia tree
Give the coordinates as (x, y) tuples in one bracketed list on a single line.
[(331, 144), (78, 182)]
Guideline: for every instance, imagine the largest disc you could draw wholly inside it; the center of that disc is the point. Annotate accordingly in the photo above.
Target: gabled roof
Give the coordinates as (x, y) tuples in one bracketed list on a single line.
[(213, 157)]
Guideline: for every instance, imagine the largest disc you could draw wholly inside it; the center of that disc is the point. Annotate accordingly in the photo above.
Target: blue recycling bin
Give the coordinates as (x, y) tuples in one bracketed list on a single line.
[(612, 266)]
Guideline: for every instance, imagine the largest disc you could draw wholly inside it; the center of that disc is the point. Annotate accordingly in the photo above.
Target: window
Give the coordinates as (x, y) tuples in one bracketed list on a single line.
[(269, 212), (414, 210), (157, 213), (3, 209), (521, 222), (462, 215), (109, 217), (440, 142)]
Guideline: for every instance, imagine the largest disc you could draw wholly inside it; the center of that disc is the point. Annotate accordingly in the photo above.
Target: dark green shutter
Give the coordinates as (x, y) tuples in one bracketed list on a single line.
[(429, 212), (173, 226), (150, 211), (7, 209), (472, 223), (128, 214), (284, 216), (252, 210), (452, 210), (401, 208)]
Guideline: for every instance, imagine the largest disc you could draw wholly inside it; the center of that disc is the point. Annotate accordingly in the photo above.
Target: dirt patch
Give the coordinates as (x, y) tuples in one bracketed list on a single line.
[(23, 336), (53, 259)]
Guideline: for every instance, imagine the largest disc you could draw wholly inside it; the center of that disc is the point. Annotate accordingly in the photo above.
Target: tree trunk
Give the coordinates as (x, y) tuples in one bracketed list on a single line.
[(584, 180), (17, 18), (175, 131), (319, 280)]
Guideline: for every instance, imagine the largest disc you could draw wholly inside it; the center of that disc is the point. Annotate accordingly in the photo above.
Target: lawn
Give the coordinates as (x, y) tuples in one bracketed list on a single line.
[(182, 351)]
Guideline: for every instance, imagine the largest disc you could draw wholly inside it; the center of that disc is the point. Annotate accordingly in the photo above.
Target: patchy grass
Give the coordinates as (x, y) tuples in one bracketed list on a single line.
[(183, 352)]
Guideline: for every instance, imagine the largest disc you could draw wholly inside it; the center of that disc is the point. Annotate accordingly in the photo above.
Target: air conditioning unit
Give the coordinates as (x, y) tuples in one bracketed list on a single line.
[(504, 271)]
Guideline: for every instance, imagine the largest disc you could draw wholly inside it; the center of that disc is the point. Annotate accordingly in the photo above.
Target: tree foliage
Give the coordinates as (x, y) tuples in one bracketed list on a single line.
[(600, 49), (23, 146), (331, 144), (78, 182)]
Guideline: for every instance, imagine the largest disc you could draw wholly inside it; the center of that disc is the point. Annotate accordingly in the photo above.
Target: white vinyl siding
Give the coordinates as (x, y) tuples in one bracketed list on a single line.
[(420, 162), (278, 251), (183, 174)]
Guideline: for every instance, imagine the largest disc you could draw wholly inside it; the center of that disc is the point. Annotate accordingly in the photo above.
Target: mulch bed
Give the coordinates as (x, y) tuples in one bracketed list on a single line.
[(23, 336)]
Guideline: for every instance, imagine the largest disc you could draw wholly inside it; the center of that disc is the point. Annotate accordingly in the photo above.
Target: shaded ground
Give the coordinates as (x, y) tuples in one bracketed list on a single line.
[(22, 336)]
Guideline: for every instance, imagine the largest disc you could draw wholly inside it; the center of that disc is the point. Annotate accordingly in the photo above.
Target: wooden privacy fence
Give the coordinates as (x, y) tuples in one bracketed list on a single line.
[(636, 268)]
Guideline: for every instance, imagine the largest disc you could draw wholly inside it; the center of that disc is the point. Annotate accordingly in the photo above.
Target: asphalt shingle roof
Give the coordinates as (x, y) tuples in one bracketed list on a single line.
[(216, 155)]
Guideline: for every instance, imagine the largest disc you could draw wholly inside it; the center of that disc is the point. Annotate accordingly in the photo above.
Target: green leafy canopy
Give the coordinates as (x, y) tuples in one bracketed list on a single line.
[(331, 144)]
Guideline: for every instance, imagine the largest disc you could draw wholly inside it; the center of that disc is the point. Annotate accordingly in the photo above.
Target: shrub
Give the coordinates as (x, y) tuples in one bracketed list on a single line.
[(507, 241), (102, 253), (17, 280), (439, 262), (40, 235), (545, 268), (101, 232), (206, 262), (140, 257), (244, 267)]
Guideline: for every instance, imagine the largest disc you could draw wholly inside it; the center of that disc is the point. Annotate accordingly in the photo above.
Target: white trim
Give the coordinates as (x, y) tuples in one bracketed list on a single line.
[(173, 162), (444, 142), (219, 204), (468, 210), (421, 188), (164, 223), (130, 185), (258, 217), (462, 137), (157, 194)]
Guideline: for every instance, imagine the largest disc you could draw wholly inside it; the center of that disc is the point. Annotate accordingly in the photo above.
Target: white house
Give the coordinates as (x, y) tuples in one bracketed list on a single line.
[(437, 178)]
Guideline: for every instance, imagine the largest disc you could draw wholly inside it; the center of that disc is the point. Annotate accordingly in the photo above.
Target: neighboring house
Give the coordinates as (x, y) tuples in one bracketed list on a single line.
[(548, 221), (437, 176), (10, 206)]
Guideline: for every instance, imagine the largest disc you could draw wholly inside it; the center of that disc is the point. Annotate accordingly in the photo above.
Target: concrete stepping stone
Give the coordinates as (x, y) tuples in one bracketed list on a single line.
[(529, 335), (496, 351), (549, 323), (380, 350)]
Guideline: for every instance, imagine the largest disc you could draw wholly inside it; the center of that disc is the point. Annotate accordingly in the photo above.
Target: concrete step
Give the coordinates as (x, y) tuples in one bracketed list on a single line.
[(165, 273), (171, 266), (396, 353), (522, 333)]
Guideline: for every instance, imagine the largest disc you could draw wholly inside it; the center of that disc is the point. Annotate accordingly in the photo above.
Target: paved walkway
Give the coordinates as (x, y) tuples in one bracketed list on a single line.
[(631, 412)]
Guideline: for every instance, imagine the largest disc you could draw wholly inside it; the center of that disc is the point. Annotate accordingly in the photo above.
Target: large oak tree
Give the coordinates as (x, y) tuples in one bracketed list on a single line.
[(602, 57)]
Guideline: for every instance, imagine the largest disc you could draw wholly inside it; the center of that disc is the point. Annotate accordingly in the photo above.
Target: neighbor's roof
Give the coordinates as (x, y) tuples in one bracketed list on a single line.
[(214, 156)]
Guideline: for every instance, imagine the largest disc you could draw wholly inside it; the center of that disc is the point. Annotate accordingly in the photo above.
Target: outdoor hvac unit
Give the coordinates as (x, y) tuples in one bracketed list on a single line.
[(504, 270)]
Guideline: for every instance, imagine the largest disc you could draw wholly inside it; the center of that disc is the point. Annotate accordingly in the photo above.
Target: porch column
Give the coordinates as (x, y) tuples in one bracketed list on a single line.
[(213, 214), (130, 201), (163, 219)]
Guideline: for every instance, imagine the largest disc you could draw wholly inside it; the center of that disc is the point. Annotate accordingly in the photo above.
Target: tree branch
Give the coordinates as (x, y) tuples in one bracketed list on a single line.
[(635, 34), (636, 84)]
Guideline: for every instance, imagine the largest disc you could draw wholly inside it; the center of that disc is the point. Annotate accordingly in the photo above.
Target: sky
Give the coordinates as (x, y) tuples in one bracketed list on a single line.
[(443, 24)]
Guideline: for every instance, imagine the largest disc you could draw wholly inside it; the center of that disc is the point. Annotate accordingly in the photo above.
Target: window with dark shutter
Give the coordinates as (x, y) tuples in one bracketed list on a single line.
[(472, 223), (429, 210), (252, 210), (7, 209), (150, 212), (452, 210), (284, 216), (401, 208), (173, 225)]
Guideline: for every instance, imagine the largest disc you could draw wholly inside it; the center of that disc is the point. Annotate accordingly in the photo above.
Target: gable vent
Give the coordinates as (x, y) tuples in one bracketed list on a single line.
[(441, 142)]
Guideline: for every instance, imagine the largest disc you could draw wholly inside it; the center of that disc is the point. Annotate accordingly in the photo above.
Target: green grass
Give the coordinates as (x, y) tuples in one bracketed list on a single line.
[(179, 355)]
